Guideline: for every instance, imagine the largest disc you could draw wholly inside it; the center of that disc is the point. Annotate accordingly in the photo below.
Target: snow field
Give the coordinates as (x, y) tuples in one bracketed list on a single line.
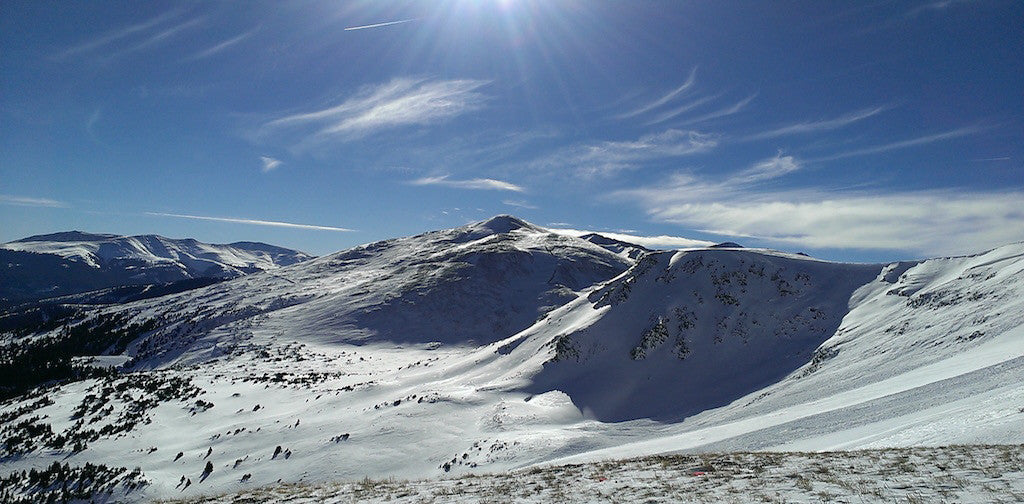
[(465, 352)]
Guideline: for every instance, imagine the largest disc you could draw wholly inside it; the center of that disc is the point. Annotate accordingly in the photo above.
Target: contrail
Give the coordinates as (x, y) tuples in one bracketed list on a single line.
[(250, 221), (378, 25)]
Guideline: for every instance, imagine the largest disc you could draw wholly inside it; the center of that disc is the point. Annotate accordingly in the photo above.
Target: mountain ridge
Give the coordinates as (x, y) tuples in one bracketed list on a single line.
[(72, 262), (499, 345)]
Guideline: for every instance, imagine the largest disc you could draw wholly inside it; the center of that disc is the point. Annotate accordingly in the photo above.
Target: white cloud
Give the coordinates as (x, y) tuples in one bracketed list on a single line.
[(933, 222), (681, 109), (669, 143), (162, 36), (678, 110), (940, 5), (269, 163), (768, 169), (605, 158), (255, 222), (654, 242), (816, 126), (221, 46), (6, 199), (664, 99), (730, 110), (520, 203), (90, 123), (903, 144), (477, 183), (114, 36), (106, 48), (401, 102)]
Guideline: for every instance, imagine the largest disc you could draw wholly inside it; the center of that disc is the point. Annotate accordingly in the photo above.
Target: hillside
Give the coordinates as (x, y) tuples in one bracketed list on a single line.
[(466, 286), (499, 345)]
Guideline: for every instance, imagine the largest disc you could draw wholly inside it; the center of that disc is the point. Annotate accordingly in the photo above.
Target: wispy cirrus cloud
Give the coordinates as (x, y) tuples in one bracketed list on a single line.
[(476, 183), (400, 102), (664, 99), (608, 157), (936, 6), (255, 222), (932, 222), (723, 112), (161, 36), (7, 199), (119, 34), (132, 39), (903, 144), (817, 126), (655, 242), (90, 123), (520, 204), (677, 110), (221, 46), (682, 109), (269, 163), (768, 169)]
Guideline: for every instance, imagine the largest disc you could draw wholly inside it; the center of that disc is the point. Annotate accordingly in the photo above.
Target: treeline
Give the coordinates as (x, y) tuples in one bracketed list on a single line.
[(61, 483), (114, 295), (28, 363), (36, 319)]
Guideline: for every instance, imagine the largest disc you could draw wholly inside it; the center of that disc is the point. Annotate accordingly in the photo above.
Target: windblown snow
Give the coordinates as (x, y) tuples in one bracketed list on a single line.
[(500, 345)]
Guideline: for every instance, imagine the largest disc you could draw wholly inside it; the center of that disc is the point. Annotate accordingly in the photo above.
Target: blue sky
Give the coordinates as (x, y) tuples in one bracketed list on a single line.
[(850, 130)]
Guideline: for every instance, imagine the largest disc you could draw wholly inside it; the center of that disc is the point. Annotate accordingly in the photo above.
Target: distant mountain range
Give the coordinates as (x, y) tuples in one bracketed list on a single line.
[(74, 262)]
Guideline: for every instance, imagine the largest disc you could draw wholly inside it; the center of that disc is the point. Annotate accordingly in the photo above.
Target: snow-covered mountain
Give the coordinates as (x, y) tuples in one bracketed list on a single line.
[(500, 345), (723, 322), (926, 353), (630, 250), (470, 285), (72, 262)]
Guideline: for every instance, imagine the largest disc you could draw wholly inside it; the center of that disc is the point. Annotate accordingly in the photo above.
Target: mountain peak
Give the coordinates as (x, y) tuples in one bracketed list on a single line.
[(600, 239), (505, 223), (68, 236), (497, 225), (726, 245)]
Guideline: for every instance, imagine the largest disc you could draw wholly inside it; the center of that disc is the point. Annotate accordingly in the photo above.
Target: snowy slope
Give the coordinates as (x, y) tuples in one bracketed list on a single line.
[(689, 331), (71, 262), (626, 249), (552, 349), (475, 284), (930, 352)]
